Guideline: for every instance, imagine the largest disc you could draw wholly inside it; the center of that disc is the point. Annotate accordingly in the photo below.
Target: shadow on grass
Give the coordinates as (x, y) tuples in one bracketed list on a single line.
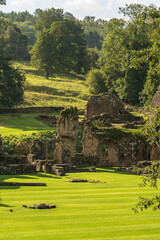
[(51, 91), (33, 72), (5, 205), (28, 176), (112, 170)]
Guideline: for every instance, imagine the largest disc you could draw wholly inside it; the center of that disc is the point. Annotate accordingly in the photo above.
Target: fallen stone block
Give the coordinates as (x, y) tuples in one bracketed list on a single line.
[(77, 180)]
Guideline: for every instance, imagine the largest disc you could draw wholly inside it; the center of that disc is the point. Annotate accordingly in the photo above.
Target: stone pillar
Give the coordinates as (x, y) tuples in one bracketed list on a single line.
[(67, 131)]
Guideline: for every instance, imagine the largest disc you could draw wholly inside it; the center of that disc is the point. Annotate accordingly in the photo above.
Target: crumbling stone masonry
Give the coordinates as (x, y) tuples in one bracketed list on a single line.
[(113, 147), (109, 105), (67, 131), (37, 151)]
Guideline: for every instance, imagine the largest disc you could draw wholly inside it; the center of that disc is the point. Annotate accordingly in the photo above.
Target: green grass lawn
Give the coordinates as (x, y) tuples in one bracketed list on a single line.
[(58, 91), (84, 210), (25, 124)]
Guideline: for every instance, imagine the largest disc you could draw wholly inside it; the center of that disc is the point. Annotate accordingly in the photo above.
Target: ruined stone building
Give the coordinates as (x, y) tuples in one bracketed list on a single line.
[(101, 146), (107, 105), (102, 143)]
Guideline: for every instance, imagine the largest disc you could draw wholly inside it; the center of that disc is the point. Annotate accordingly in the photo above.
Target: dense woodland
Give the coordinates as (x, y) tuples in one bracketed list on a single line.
[(120, 56)]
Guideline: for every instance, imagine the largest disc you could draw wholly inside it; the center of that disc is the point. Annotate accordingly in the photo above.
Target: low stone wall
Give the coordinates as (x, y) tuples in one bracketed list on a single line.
[(30, 110), (81, 159), (17, 169)]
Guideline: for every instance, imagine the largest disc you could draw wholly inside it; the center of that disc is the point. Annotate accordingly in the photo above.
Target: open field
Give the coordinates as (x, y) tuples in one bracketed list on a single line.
[(95, 211), (58, 91)]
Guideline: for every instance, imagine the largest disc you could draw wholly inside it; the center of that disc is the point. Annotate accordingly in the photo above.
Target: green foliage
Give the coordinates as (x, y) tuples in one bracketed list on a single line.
[(152, 132), (92, 59), (11, 84), (60, 48), (96, 81), (152, 128), (20, 145), (79, 147), (25, 21), (152, 173), (150, 55), (94, 31), (45, 18), (69, 111), (129, 45), (13, 42)]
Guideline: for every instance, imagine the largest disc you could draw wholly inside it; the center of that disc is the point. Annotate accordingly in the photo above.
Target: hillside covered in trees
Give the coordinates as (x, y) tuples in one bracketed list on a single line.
[(119, 56)]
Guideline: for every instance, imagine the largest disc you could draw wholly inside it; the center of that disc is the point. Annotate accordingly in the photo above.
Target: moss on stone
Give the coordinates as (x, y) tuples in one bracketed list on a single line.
[(69, 112)]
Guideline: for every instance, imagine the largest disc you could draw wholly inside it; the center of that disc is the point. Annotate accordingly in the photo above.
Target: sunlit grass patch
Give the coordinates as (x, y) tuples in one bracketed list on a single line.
[(62, 90), (99, 211)]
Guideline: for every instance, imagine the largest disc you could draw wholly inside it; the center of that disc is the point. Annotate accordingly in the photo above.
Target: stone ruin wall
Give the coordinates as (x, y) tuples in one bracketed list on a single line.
[(156, 99), (67, 131), (124, 151), (105, 104)]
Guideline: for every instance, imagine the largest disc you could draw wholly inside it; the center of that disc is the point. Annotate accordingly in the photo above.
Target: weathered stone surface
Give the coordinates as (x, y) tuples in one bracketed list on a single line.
[(17, 169), (77, 180), (156, 99), (67, 131), (40, 206), (38, 149), (82, 159), (122, 150), (61, 169), (107, 106), (154, 152)]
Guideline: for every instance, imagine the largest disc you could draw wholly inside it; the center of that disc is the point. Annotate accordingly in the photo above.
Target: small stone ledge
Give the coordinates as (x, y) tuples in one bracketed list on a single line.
[(40, 206), (77, 180)]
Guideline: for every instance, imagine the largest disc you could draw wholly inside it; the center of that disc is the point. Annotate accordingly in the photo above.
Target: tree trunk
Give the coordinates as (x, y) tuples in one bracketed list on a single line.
[(47, 74)]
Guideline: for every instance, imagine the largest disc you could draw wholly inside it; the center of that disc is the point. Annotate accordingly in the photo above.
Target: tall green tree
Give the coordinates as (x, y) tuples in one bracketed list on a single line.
[(13, 42), (58, 48), (150, 55), (94, 31), (45, 19), (11, 80), (11, 84), (122, 38)]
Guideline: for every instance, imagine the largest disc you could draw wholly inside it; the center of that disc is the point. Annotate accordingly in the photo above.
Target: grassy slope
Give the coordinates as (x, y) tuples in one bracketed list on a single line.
[(84, 210), (59, 90), (25, 124)]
